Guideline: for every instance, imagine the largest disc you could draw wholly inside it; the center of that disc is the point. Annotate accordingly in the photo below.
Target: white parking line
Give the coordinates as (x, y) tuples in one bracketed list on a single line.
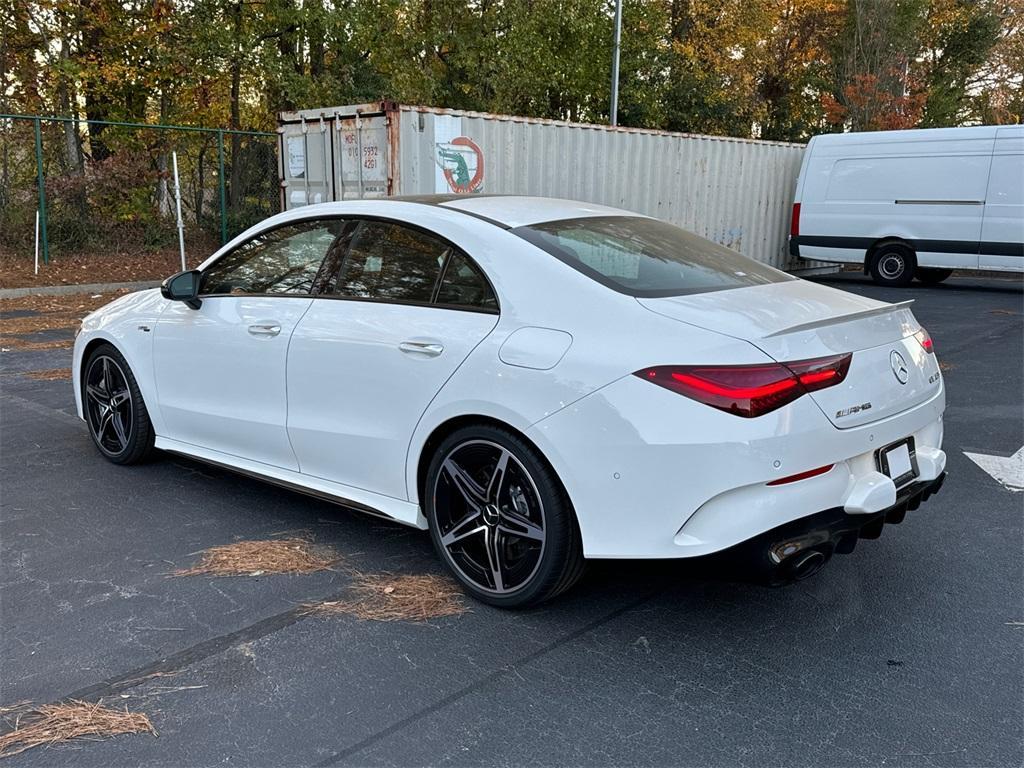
[(1007, 470)]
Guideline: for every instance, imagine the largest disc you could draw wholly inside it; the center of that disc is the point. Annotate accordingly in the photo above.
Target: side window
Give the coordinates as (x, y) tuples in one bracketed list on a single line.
[(282, 260), (463, 285), (391, 262)]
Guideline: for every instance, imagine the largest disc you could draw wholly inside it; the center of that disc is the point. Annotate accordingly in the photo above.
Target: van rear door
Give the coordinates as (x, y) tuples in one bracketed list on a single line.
[(1002, 233)]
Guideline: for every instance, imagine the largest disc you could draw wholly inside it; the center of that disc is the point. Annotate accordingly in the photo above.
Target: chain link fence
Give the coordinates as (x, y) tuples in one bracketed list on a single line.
[(106, 189)]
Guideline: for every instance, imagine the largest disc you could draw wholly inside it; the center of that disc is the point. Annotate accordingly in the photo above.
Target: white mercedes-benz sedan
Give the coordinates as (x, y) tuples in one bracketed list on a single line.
[(535, 381)]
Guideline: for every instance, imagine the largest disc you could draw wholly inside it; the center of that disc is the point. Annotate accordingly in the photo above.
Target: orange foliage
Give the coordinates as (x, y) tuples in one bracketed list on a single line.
[(868, 105)]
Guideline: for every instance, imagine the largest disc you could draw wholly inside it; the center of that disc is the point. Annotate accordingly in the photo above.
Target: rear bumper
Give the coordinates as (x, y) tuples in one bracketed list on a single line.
[(775, 556), (652, 474)]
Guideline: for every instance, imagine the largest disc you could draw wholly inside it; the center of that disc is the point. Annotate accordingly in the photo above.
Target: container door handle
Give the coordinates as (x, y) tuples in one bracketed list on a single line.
[(425, 348)]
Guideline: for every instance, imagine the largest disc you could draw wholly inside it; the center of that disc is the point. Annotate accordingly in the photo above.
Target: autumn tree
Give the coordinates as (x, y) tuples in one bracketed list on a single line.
[(956, 41), (874, 87), (777, 69), (793, 65), (994, 90)]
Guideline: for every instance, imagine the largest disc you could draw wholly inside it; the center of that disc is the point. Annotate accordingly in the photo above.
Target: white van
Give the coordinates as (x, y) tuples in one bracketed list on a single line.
[(909, 204)]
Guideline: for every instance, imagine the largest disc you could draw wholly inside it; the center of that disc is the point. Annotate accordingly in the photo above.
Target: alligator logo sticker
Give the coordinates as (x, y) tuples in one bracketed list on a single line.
[(462, 163)]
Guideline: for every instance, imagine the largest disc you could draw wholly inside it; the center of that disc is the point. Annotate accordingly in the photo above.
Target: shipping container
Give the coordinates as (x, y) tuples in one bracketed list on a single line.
[(737, 192)]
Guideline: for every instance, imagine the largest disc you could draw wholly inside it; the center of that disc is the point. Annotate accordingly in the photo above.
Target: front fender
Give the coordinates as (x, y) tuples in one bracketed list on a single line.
[(127, 323)]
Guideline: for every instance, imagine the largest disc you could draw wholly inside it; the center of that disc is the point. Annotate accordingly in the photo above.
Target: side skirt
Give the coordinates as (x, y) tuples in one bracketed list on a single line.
[(357, 499)]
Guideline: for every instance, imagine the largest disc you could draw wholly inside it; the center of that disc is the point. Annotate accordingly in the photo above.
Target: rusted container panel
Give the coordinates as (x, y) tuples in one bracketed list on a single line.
[(737, 192)]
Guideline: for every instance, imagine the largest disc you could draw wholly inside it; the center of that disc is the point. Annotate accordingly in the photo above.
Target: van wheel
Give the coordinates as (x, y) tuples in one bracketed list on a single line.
[(931, 275), (893, 265)]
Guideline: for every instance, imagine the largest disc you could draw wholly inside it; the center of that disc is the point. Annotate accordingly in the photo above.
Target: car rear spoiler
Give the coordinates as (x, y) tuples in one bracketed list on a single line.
[(841, 319)]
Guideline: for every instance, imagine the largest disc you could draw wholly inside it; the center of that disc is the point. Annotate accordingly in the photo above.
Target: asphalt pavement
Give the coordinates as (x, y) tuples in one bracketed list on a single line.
[(908, 652)]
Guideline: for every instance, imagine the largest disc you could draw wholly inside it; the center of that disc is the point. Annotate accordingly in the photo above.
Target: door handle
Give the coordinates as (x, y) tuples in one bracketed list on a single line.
[(265, 329), (425, 348)]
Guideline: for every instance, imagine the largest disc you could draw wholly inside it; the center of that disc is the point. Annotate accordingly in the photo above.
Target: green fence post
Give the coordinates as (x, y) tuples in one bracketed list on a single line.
[(223, 197), (42, 191)]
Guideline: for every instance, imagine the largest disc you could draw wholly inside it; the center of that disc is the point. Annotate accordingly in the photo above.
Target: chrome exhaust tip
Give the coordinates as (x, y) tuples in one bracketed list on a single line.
[(807, 564)]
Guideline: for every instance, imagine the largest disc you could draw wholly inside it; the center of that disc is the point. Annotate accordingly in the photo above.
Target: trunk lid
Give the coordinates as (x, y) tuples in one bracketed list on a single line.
[(798, 320)]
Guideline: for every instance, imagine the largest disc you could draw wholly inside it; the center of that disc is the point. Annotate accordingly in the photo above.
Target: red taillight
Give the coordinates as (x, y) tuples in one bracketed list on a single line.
[(746, 390), (822, 372), (925, 340), (749, 390), (794, 224), (802, 475)]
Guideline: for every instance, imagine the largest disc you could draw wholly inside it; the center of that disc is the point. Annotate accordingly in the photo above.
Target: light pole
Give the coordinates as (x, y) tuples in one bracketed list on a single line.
[(615, 62)]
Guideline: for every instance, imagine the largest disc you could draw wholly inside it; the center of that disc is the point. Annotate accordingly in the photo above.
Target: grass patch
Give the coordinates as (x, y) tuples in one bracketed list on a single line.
[(390, 597), (256, 558), (57, 723)]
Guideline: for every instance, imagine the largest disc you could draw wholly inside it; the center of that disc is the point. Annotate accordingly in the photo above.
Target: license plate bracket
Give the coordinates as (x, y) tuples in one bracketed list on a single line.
[(899, 461)]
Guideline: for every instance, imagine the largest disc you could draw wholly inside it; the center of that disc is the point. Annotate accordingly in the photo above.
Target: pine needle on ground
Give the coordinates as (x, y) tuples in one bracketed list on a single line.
[(53, 374), (257, 558), (13, 342), (56, 723), (390, 597)]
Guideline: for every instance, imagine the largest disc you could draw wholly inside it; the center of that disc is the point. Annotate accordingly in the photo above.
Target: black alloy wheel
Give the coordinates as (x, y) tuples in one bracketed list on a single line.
[(500, 519), (117, 417)]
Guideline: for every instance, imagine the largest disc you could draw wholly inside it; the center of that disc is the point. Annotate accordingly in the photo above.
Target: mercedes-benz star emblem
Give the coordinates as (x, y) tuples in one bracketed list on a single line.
[(899, 367)]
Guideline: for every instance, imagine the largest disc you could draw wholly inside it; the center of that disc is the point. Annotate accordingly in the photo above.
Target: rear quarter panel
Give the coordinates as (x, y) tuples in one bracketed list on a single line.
[(612, 337)]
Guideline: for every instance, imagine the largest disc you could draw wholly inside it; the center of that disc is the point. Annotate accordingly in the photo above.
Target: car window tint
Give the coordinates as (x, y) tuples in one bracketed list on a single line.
[(646, 257), (282, 260), (464, 285), (391, 262)]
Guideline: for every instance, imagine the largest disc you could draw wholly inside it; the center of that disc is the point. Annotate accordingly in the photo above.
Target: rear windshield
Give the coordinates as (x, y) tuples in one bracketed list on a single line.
[(646, 257)]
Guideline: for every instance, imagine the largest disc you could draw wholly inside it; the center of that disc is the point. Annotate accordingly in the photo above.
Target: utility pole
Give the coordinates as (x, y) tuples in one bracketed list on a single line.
[(615, 62)]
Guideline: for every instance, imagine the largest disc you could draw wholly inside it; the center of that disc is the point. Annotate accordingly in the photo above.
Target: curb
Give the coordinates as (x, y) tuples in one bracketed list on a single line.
[(61, 290)]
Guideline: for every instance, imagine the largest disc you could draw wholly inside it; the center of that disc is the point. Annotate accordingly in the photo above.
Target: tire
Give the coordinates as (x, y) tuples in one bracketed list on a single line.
[(118, 421), (509, 537), (932, 275), (893, 265)]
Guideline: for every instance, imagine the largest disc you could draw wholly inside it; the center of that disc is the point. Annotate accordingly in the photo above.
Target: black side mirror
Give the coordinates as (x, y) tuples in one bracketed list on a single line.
[(183, 286)]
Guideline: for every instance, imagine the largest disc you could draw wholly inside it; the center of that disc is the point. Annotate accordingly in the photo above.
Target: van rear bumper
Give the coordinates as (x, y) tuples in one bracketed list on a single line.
[(837, 250), (841, 248)]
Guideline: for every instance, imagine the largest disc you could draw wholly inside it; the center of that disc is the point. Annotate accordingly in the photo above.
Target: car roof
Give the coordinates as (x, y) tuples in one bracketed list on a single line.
[(515, 210), (505, 211)]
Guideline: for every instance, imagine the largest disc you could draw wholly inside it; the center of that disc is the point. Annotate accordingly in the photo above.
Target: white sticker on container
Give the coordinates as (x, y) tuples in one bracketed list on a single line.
[(296, 157)]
